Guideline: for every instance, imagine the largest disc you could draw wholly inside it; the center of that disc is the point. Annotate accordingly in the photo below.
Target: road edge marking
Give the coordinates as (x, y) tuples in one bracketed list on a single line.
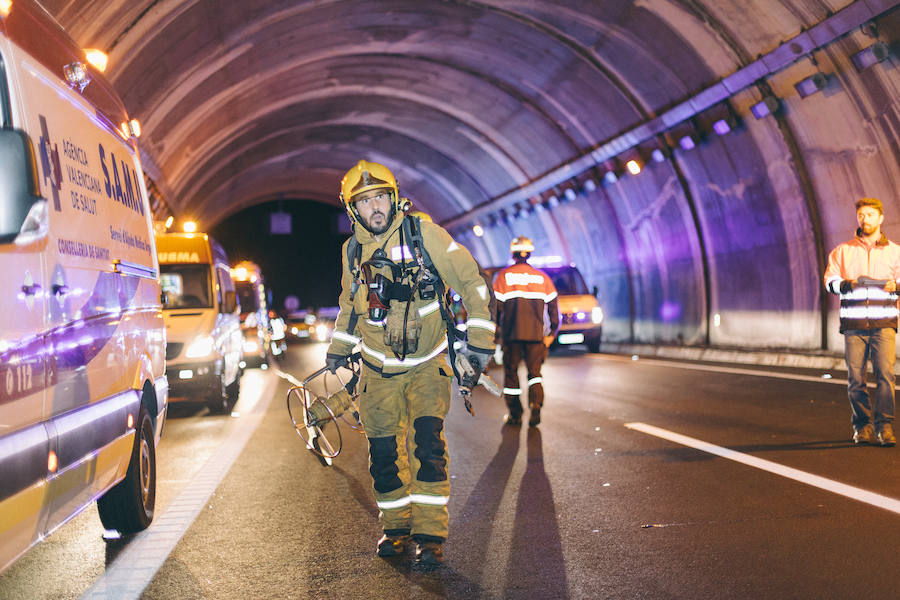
[(136, 566)]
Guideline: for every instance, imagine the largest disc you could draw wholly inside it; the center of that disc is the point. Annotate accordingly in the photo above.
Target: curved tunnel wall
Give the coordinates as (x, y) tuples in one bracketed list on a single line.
[(724, 243), (471, 100)]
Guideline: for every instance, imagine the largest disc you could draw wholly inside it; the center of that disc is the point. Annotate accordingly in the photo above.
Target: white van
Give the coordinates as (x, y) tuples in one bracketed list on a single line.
[(83, 392), (202, 320)]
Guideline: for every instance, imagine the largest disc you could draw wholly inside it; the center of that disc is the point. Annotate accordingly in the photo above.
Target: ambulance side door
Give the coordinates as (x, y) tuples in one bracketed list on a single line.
[(25, 452)]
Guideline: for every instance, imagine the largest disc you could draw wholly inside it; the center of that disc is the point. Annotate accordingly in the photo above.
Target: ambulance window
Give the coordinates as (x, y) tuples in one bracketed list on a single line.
[(186, 286), (5, 110)]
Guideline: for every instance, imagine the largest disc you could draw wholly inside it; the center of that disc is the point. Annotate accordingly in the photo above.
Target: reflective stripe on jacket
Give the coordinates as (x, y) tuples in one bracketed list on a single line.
[(523, 292), (864, 307), (457, 269)]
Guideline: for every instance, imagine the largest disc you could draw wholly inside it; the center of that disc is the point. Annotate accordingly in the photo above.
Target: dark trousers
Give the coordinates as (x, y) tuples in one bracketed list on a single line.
[(513, 353)]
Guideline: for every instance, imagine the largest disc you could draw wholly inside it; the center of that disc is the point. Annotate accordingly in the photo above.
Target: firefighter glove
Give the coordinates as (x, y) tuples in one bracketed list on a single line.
[(334, 361)]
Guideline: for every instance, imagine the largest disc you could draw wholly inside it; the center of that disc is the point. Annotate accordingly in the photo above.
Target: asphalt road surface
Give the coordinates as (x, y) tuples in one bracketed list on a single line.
[(646, 479)]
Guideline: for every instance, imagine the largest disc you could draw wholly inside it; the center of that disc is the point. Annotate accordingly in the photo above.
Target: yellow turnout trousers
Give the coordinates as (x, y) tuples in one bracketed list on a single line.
[(403, 416)]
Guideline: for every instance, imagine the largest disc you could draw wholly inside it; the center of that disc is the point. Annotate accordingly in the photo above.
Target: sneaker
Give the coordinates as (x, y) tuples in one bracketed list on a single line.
[(535, 418), (864, 435), (429, 555), (886, 435), (512, 420), (392, 545)]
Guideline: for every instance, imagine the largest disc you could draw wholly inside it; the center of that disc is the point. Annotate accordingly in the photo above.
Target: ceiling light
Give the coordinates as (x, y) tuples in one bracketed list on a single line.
[(812, 84), (872, 55), (478, 230), (633, 166), (687, 142), (658, 155), (570, 194), (764, 108), (189, 226), (610, 177)]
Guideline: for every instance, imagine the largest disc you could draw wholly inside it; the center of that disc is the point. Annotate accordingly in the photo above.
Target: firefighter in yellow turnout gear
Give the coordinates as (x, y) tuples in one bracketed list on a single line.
[(392, 287)]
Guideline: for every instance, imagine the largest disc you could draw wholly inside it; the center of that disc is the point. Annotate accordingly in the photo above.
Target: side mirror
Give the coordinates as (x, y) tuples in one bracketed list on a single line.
[(229, 304), (595, 290), (19, 188)]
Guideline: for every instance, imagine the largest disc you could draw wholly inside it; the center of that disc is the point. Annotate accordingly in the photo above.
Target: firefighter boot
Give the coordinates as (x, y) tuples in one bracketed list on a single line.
[(429, 555), (392, 545)]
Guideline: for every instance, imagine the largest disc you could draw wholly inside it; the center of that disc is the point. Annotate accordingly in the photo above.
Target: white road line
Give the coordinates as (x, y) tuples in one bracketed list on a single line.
[(731, 370), (137, 564), (830, 485)]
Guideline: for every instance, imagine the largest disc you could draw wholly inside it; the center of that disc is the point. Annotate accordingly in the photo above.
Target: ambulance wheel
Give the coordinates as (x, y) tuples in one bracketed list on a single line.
[(218, 401), (233, 391), (128, 506), (593, 343)]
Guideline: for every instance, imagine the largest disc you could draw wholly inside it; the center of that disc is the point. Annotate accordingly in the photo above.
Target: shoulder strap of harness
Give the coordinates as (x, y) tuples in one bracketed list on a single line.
[(411, 227)]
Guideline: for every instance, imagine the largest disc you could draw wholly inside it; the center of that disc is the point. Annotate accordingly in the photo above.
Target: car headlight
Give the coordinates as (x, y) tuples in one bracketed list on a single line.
[(597, 315), (200, 347)]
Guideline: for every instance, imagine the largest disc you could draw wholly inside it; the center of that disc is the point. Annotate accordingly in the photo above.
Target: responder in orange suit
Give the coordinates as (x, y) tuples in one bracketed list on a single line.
[(524, 293)]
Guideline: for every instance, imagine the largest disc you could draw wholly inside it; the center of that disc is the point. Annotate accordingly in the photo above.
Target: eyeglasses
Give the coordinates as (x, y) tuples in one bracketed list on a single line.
[(382, 197)]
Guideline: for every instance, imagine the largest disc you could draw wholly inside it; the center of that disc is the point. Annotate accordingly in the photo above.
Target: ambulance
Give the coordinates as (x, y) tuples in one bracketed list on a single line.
[(83, 391), (257, 332), (202, 319)]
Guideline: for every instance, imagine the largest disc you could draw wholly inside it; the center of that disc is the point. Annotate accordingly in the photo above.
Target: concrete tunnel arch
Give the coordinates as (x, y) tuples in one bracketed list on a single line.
[(722, 244)]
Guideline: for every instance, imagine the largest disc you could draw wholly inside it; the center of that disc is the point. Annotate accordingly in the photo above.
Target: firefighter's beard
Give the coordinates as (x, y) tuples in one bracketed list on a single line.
[(378, 223)]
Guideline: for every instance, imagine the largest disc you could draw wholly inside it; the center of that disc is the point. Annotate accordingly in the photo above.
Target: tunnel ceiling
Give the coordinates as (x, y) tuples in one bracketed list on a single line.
[(241, 102)]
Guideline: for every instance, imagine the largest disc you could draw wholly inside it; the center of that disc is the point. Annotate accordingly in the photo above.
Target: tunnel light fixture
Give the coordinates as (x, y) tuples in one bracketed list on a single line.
[(169, 221), (5, 7), (812, 84), (765, 107), (478, 230), (97, 58), (570, 194), (658, 155), (870, 56), (610, 177), (553, 201), (134, 126), (721, 127), (633, 166), (189, 226), (590, 185), (688, 141)]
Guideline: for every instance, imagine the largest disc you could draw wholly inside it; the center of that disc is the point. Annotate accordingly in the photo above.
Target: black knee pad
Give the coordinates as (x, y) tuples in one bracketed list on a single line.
[(430, 449), (383, 455)]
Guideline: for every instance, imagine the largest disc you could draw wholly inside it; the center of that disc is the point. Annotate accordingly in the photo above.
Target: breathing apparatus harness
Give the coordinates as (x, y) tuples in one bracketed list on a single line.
[(382, 290)]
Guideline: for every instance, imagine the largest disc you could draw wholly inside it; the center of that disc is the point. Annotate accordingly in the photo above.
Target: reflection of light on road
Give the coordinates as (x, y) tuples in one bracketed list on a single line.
[(830, 485), (252, 387)]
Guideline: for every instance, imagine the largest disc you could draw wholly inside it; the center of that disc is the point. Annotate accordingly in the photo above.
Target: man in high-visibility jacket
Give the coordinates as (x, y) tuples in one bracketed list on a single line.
[(865, 272), (524, 293), (391, 307)]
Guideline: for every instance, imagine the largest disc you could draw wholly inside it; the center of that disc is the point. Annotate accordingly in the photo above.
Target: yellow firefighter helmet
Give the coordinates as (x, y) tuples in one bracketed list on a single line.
[(365, 176), (521, 246)]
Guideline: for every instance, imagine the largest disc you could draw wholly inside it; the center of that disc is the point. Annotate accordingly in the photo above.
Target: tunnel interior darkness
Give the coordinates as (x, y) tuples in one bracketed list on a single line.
[(521, 116)]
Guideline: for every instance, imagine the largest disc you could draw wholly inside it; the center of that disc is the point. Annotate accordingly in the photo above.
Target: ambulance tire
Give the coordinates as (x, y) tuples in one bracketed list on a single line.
[(218, 401), (233, 391), (128, 506), (593, 342)]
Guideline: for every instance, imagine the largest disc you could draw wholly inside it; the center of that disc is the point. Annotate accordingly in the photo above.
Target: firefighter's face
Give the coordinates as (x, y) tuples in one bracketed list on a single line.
[(374, 209), (869, 219)]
